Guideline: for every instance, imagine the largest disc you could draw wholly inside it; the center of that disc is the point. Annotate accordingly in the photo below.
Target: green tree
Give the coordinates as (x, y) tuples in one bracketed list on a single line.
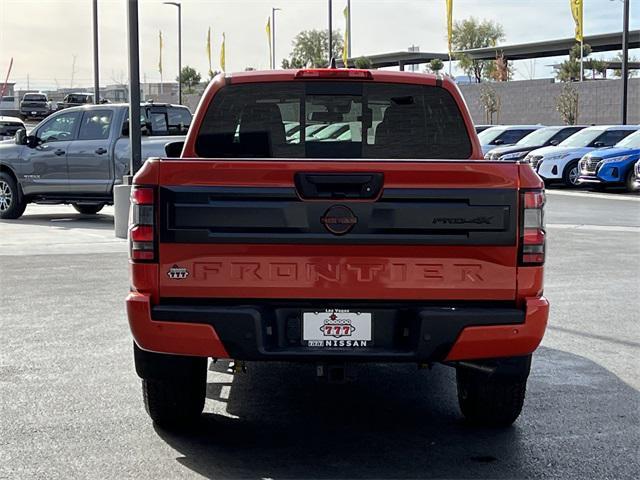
[(597, 67), (189, 78), (601, 67), (362, 62), (435, 65), (569, 70), (567, 104), (472, 33), (618, 73), (311, 49)]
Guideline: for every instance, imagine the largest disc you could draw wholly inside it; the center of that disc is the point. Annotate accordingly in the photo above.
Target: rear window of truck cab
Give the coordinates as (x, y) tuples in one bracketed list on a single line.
[(332, 119)]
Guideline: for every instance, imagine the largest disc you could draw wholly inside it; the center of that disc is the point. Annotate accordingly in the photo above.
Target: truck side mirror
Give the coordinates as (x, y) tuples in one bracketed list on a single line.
[(21, 137), (32, 141), (173, 149)]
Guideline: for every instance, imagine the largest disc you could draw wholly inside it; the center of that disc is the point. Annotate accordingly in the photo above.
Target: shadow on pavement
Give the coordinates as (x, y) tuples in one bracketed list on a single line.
[(69, 220), (399, 422)]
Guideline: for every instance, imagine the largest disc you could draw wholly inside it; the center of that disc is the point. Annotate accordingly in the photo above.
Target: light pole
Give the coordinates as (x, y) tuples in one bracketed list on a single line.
[(624, 70), (122, 192), (273, 36), (177, 4), (134, 88), (348, 26), (625, 60), (330, 34), (96, 70)]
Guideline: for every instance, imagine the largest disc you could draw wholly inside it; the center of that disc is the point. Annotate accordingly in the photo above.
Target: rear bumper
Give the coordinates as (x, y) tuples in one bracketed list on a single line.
[(34, 111), (402, 333)]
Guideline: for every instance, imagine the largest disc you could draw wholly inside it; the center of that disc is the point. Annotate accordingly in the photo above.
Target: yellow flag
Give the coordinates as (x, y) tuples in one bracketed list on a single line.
[(347, 34), (268, 30), (222, 59), (209, 51), (449, 23), (576, 11), (160, 55)]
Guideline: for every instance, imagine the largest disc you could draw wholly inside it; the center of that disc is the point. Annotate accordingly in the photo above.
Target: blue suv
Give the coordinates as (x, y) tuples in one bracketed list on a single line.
[(612, 166)]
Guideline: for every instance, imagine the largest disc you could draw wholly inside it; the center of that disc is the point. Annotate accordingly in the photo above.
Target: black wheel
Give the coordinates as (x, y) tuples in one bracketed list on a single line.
[(174, 404), (571, 174), (88, 208), (173, 387), (489, 401), (629, 181), (12, 203)]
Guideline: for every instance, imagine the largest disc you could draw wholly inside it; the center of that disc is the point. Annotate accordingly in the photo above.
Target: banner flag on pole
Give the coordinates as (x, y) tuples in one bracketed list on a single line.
[(347, 34), (160, 54), (449, 23), (209, 51), (268, 30), (222, 54), (576, 11), (6, 80)]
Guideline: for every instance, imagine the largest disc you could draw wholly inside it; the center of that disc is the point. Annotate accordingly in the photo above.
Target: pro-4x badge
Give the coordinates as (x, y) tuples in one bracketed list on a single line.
[(178, 273)]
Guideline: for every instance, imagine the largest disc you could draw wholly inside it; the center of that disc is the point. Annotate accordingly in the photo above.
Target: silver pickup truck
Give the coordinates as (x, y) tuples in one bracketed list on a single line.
[(76, 156)]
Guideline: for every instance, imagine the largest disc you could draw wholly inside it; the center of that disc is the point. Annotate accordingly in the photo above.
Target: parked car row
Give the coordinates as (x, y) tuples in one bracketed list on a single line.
[(38, 105), (597, 156)]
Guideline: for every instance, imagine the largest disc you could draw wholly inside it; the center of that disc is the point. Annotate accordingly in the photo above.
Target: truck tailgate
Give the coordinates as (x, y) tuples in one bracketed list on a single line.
[(434, 230)]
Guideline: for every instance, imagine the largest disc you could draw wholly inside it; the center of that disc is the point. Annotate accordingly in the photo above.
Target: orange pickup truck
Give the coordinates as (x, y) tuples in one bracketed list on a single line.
[(335, 216)]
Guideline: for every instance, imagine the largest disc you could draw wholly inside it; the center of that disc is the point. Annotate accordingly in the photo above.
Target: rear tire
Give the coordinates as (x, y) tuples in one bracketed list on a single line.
[(88, 208), (173, 387), (488, 401), (12, 202), (174, 404), (571, 174)]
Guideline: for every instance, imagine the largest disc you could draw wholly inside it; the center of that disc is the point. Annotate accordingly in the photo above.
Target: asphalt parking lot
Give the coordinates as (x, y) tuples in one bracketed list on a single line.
[(70, 402)]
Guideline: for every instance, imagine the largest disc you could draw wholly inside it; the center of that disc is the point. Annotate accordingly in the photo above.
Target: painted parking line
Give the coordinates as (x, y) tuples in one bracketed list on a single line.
[(584, 194)]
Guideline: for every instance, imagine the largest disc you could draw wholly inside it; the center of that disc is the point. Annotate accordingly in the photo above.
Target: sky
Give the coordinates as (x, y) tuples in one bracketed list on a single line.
[(45, 36)]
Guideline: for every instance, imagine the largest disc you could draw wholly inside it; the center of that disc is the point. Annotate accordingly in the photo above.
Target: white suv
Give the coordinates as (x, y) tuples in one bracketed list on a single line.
[(560, 163)]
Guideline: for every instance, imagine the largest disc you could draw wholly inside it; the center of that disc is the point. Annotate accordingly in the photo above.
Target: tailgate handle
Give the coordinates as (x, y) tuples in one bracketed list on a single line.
[(356, 186)]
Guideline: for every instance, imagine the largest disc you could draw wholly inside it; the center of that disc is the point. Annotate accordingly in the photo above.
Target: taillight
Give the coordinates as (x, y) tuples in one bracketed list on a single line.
[(532, 233), (142, 225)]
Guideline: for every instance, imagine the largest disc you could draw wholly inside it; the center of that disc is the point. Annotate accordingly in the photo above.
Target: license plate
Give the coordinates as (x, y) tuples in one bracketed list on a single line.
[(336, 328), (33, 113)]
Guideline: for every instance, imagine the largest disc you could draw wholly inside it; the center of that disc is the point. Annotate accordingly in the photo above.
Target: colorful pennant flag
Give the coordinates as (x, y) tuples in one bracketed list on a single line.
[(222, 54), (160, 54), (347, 34), (576, 11), (268, 30), (449, 23), (209, 52)]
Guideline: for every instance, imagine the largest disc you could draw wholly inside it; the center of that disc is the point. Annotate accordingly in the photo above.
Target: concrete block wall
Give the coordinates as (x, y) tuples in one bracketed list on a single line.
[(534, 101)]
